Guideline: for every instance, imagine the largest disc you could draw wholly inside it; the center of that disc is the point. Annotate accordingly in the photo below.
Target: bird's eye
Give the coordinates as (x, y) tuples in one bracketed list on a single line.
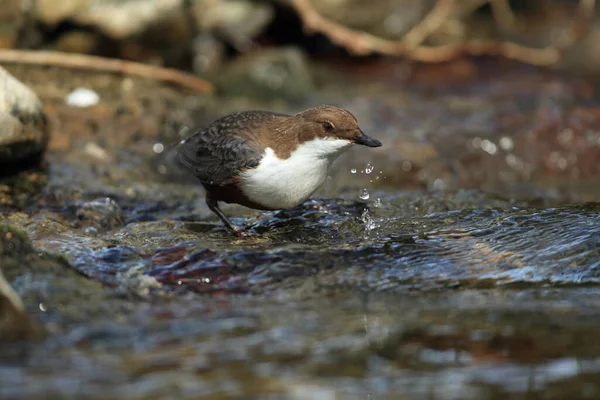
[(328, 126)]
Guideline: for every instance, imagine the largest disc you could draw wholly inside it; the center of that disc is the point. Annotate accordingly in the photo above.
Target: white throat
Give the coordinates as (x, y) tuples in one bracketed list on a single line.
[(285, 183)]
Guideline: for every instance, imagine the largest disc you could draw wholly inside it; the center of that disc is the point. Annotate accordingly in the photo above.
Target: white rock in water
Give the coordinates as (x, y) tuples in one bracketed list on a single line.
[(14, 94), (24, 129), (82, 97)]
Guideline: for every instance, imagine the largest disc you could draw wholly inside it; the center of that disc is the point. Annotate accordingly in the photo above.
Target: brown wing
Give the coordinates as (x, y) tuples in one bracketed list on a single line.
[(217, 154)]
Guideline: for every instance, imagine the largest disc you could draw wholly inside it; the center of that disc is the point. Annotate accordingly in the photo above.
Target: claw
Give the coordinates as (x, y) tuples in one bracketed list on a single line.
[(240, 233)]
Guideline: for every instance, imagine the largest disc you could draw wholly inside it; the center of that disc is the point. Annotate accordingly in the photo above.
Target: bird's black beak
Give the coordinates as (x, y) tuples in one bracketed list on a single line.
[(367, 140)]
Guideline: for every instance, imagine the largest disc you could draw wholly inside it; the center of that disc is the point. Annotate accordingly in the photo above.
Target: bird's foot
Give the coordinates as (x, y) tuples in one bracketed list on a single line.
[(241, 233)]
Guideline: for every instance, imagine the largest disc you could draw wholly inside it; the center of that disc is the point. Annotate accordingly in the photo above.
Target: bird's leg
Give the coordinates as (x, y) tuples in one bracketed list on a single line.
[(213, 205)]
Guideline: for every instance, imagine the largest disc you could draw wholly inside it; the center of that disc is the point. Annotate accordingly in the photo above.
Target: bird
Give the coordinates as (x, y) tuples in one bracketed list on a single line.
[(268, 161)]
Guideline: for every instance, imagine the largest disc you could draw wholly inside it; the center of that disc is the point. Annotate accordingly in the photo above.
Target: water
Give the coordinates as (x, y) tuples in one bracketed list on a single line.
[(409, 295), (438, 293), (158, 148), (398, 304)]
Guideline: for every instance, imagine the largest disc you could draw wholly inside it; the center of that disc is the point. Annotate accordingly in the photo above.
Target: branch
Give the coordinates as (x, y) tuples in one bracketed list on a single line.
[(503, 14), (363, 43), (431, 23), (85, 62)]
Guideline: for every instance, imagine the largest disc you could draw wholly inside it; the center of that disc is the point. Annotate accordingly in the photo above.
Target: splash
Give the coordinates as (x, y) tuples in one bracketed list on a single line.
[(368, 221), (364, 194), (158, 148)]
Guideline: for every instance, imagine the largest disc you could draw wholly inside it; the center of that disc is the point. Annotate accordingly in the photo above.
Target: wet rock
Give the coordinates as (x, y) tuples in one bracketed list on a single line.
[(24, 131), (100, 214), (52, 292), (268, 74)]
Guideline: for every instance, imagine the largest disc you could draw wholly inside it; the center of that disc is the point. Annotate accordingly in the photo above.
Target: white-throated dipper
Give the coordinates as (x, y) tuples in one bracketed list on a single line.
[(268, 161)]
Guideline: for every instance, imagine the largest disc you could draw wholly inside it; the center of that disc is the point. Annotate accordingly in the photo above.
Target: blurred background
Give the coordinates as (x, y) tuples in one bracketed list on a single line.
[(201, 35), (460, 260), (459, 89)]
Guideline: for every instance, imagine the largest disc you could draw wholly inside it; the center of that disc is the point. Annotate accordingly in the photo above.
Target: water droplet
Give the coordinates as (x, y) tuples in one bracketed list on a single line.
[(158, 148), (353, 170), (368, 221), (90, 230), (506, 143), (489, 147), (377, 203), (42, 307), (364, 194), (162, 169), (369, 168), (362, 171)]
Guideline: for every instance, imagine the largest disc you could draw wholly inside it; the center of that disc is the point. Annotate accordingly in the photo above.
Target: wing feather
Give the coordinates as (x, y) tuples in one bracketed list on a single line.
[(218, 153)]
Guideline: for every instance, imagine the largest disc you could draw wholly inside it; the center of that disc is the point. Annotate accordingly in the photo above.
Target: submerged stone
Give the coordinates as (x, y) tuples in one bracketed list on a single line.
[(269, 74)]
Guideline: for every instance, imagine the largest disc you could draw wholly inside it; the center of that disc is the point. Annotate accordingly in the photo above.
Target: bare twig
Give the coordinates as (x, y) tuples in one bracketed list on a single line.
[(431, 23), (536, 56), (360, 43), (363, 43), (85, 62), (585, 10), (503, 14)]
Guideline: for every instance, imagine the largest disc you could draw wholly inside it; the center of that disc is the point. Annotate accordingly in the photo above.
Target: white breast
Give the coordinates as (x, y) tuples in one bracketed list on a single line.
[(285, 183)]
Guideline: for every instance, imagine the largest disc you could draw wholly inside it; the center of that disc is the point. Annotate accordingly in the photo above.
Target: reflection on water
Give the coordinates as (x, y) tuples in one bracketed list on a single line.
[(446, 345)]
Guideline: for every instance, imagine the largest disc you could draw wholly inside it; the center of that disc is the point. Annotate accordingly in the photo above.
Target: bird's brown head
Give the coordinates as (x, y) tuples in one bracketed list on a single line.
[(329, 122)]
